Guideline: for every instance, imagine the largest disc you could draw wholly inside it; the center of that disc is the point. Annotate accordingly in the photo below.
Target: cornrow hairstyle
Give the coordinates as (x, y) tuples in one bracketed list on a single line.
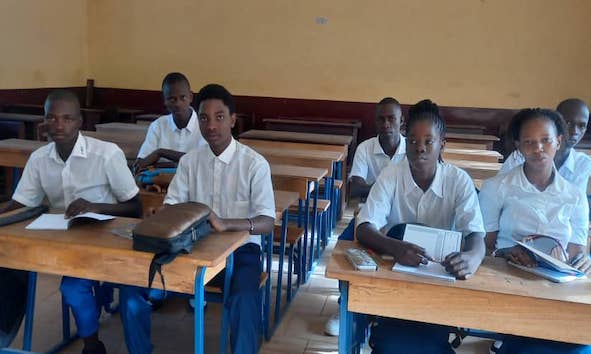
[(215, 91), (173, 78), (426, 110), (527, 114)]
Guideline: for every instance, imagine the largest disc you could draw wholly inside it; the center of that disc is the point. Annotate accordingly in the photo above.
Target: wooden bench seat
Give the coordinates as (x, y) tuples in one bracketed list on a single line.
[(294, 234), (323, 205)]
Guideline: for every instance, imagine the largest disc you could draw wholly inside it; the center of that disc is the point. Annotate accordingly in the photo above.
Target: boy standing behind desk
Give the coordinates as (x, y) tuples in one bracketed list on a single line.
[(79, 174), (171, 136)]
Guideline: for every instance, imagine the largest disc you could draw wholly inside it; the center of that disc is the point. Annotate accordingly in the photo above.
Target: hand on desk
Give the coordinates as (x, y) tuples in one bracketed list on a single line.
[(147, 161), (79, 206), (409, 254), (216, 222), (582, 262), (462, 265), (518, 255)]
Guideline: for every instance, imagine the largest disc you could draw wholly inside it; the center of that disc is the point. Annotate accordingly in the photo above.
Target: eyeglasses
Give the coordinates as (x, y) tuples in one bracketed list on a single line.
[(548, 245)]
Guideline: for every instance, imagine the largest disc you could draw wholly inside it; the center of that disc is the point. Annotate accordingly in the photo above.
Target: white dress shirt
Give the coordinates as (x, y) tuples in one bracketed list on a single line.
[(576, 168), (370, 159), (515, 208), (235, 184), (450, 202), (164, 134), (95, 170)]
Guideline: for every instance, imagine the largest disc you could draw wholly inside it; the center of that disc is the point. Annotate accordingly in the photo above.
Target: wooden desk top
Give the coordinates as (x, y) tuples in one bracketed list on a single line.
[(26, 118), (299, 153), (297, 137), (121, 127), (477, 169), (286, 145), (283, 200), (465, 136), (475, 152), (148, 117), (311, 121), (290, 171), (16, 152), (91, 251), (498, 298), (494, 275)]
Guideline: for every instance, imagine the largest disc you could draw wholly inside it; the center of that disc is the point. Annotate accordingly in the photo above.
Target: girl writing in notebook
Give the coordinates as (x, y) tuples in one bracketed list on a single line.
[(534, 199), (421, 189)]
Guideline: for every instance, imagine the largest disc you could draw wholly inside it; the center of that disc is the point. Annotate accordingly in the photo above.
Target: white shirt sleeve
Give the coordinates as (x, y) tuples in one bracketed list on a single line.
[(360, 166), (468, 217), (151, 143), (379, 201), (580, 220), (491, 203), (178, 190), (262, 200), (119, 176), (29, 191), (515, 159)]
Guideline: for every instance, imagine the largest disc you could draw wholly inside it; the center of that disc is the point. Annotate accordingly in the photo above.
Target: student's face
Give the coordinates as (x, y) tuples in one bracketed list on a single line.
[(423, 144), (63, 121), (388, 119), (538, 142), (177, 99), (216, 123), (576, 120)]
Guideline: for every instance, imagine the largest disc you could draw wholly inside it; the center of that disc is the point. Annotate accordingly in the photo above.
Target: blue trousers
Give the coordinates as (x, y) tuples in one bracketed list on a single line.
[(391, 336), (348, 233), (244, 306), (524, 345), (79, 295)]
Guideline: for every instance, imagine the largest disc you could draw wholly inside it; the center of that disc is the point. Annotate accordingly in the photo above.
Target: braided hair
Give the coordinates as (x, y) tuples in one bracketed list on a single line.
[(527, 114), (426, 110)]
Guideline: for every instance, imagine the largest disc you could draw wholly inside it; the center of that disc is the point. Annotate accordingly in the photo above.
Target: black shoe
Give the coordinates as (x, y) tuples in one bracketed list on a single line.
[(100, 349), (156, 304)]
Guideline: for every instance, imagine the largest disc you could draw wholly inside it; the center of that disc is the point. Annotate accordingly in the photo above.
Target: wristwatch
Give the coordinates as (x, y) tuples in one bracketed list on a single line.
[(251, 223)]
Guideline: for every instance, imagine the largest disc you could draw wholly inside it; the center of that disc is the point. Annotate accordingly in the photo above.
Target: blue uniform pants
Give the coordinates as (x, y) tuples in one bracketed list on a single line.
[(244, 306), (79, 295), (389, 336), (524, 345)]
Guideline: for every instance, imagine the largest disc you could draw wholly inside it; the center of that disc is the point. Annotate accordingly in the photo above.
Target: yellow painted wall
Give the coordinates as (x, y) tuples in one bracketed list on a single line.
[(43, 43), (488, 53)]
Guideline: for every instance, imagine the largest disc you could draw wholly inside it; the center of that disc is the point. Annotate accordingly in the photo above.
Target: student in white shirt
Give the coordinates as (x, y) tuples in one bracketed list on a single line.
[(534, 199), (235, 182), (171, 136), (421, 189), (573, 165), (77, 174), (371, 157)]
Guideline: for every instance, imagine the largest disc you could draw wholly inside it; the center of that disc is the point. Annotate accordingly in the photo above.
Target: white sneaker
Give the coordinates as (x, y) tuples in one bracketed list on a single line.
[(331, 328), (495, 346)]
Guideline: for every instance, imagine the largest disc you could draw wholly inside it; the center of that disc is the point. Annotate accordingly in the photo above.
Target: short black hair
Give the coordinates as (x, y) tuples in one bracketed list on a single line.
[(527, 114), (215, 91), (62, 95), (426, 110), (389, 100), (563, 106), (173, 78)]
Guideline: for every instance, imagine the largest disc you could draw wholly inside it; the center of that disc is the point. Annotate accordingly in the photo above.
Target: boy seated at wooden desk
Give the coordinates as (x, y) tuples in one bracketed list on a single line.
[(171, 136), (235, 182), (533, 198), (371, 157), (421, 189), (574, 166), (77, 174)]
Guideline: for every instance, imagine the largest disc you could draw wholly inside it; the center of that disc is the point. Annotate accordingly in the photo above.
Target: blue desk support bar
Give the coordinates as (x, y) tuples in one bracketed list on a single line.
[(277, 316)]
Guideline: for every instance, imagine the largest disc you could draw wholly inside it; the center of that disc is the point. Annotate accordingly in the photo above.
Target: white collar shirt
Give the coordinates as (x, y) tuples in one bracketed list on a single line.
[(370, 159)]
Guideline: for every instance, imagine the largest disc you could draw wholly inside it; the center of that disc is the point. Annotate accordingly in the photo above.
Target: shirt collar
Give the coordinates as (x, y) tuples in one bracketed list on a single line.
[(191, 126), (436, 186), (80, 149), (400, 150), (527, 185), (226, 155)]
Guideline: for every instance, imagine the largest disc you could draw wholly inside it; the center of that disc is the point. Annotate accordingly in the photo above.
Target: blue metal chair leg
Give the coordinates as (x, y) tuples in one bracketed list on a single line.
[(30, 314), (225, 312), (198, 315), (278, 291)]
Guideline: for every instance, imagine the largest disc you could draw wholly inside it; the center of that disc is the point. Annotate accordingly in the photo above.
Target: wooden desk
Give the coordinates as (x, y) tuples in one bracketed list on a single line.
[(146, 118), (488, 140), (125, 128), (30, 121), (297, 157), (498, 298), (458, 145), (465, 128), (129, 143), (16, 152), (90, 251), (476, 169), (471, 155), (283, 200), (296, 137)]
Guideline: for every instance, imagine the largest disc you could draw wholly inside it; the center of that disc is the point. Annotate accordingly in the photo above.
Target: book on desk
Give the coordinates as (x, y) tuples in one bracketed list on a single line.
[(59, 222)]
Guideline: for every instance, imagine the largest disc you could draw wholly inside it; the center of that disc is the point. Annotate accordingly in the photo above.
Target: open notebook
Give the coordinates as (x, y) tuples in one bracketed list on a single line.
[(549, 267), (58, 222), (438, 244)]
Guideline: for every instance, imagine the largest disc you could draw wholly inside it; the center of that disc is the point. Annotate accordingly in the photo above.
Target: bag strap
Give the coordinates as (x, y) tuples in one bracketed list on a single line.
[(156, 266)]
